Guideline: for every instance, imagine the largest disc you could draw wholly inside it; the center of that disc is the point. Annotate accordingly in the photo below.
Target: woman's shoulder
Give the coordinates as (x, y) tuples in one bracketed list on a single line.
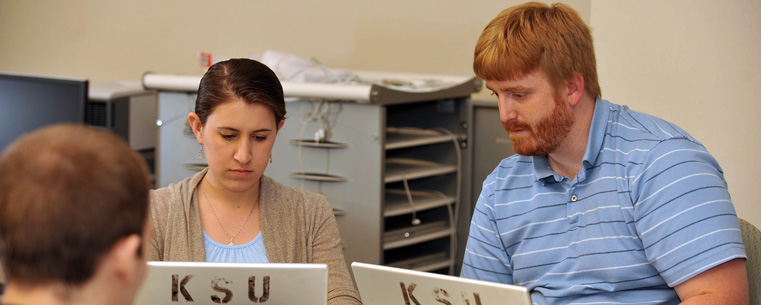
[(289, 209), (290, 197), (169, 193), (175, 194)]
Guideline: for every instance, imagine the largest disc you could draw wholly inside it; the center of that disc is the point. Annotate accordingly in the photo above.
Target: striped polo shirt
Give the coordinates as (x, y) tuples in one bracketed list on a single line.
[(648, 210)]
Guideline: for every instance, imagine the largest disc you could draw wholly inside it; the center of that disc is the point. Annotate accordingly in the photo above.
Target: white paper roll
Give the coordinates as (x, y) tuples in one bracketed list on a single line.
[(171, 82), (354, 92), (433, 87)]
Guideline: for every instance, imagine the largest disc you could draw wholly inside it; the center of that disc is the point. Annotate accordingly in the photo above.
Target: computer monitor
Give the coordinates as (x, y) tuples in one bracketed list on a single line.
[(28, 102)]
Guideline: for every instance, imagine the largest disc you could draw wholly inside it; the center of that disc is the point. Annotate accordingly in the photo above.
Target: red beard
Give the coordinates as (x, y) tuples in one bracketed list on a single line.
[(544, 136)]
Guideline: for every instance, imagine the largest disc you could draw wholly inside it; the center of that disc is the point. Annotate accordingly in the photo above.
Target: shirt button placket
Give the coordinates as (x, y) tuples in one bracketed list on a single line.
[(573, 210)]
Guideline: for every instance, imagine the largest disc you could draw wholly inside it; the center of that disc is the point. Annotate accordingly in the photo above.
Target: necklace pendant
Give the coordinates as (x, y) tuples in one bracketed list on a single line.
[(231, 243)]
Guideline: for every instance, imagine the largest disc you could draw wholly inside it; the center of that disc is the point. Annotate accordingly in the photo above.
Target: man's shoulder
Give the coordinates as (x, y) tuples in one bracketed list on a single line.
[(513, 167), (514, 164), (631, 125), (633, 141)]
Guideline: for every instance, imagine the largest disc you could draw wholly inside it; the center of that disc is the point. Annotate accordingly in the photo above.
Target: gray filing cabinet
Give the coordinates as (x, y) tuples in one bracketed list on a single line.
[(490, 142), (375, 153)]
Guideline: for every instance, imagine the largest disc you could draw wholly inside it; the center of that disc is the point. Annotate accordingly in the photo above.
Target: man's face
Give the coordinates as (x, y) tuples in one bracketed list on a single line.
[(531, 112)]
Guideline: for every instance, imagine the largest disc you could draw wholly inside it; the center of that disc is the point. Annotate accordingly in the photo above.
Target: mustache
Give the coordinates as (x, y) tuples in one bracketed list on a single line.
[(513, 125)]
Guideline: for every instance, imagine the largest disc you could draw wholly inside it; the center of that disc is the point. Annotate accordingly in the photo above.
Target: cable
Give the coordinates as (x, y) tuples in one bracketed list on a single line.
[(415, 220), (335, 119), (327, 170), (186, 130), (458, 190), (453, 242), (320, 111), (453, 214), (304, 123), (458, 152)]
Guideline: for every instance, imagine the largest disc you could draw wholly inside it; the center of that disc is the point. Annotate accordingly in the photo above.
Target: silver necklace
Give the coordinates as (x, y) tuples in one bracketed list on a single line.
[(220, 222)]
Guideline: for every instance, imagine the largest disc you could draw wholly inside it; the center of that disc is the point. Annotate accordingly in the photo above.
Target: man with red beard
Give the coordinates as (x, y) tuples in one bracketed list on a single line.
[(601, 204)]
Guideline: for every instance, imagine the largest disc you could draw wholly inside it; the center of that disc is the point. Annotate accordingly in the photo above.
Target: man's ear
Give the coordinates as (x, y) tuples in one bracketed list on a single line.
[(195, 124), (126, 257), (574, 89)]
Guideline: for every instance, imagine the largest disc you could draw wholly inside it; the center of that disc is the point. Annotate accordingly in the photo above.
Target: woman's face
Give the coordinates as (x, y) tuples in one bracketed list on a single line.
[(237, 139)]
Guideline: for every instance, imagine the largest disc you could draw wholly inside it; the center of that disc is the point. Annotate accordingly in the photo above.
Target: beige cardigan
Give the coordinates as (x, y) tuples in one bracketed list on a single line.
[(297, 227)]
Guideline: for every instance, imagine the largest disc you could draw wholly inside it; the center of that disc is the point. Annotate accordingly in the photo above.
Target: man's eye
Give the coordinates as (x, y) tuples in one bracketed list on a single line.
[(519, 95)]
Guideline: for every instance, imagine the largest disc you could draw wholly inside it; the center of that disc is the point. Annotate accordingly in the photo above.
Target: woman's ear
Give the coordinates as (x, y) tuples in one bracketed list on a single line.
[(280, 126), (195, 124)]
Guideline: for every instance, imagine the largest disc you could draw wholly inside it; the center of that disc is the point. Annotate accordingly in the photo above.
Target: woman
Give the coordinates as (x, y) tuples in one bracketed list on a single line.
[(230, 211)]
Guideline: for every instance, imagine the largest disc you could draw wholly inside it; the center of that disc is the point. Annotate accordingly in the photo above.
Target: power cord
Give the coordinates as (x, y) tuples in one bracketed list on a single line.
[(321, 111), (458, 190), (415, 221)]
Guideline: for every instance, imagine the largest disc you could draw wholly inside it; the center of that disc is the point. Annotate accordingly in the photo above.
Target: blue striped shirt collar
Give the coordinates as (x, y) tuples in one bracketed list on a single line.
[(597, 131), (542, 168)]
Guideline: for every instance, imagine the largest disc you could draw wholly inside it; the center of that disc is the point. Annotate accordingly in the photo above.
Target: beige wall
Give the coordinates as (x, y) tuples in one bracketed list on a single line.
[(695, 63), (107, 39)]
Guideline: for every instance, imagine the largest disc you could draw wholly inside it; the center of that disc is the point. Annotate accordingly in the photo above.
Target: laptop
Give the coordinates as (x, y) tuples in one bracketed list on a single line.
[(383, 285), (201, 283)]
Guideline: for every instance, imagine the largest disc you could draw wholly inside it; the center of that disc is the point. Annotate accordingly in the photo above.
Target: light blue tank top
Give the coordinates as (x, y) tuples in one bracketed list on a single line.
[(250, 252)]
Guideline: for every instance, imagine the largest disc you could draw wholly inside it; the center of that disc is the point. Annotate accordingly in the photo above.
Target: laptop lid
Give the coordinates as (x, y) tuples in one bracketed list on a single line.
[(201, 283), (382, 285)]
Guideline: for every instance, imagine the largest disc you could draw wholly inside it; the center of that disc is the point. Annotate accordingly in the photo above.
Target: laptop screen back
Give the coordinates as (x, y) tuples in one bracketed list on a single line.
[(202, 283), (382, 285)]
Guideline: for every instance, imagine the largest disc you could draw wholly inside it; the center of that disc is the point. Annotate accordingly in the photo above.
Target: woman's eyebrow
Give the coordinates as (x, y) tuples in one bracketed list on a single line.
[(236, 130)]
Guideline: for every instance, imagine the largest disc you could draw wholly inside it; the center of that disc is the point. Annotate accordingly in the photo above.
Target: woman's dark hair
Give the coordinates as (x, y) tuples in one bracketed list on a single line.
[(240, 78)]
